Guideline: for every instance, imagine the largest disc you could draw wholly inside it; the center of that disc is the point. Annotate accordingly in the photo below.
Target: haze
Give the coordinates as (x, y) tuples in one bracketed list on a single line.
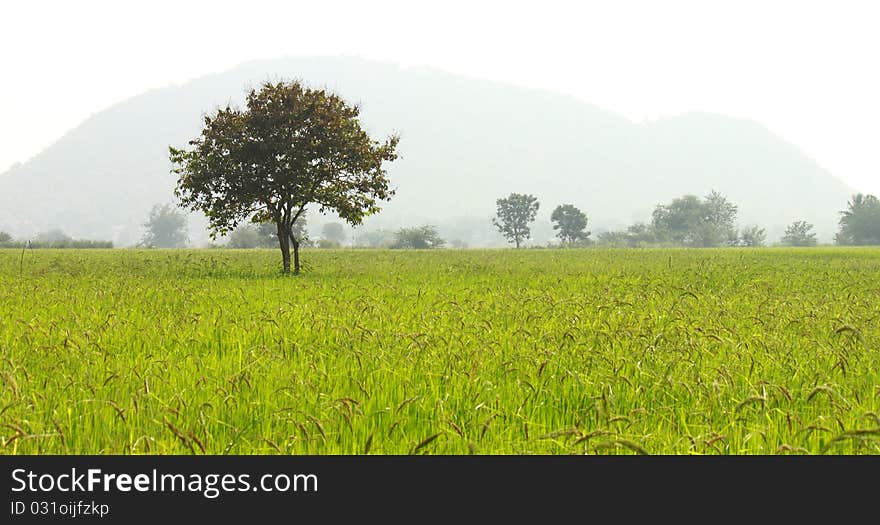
[(806, 72)]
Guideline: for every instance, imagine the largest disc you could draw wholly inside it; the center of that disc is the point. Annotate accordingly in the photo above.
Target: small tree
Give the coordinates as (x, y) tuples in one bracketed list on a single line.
[(166, 227), (753, 236), (799, 233), (5, 239), (514, 214), (333, 231), (571, 223), (290, 148), (425, 237)]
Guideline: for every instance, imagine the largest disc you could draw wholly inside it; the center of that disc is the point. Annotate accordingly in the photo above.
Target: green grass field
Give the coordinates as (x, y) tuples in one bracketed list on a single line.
[(671, 351)]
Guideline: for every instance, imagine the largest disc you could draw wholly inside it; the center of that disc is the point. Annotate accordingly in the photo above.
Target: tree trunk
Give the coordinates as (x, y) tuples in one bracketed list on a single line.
[(284, 243), (295, 256)]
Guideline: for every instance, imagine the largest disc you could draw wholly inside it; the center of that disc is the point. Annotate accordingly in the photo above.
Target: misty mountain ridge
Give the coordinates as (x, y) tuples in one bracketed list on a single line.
[(464, 143)]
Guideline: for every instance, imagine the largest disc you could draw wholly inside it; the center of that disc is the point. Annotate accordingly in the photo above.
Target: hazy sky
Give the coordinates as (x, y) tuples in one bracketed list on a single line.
[(808, 71)]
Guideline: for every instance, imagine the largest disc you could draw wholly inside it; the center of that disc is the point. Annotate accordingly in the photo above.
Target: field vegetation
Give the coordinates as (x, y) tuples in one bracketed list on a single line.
[(675, 351)]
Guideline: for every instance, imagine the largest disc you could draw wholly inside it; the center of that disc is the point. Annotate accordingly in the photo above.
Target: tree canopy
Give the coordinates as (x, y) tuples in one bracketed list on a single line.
[(752, 236), (166, 227), (799, 233), (691, 221), (375, 239), (571, 223), (860, 222), (514, 214), (333, 231), (291, 147), (420, 238)]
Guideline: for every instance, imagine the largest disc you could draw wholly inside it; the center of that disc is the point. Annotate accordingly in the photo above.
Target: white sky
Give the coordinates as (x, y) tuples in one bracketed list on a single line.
[(808, 71)]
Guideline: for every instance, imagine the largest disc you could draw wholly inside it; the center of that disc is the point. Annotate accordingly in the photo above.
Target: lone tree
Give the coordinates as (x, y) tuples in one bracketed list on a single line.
[(165, 228), (571, 223), (799, 233), (290, 148), (514, 215)]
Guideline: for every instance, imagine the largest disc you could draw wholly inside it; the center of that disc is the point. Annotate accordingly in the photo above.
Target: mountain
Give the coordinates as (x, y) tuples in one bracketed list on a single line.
[(464, 143)]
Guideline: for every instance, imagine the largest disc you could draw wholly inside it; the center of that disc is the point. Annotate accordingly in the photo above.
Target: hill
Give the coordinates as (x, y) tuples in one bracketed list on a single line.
[(464, 143)]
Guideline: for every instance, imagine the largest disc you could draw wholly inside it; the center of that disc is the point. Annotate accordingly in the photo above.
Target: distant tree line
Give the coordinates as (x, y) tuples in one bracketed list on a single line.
[(254, 171), (55, 239), (264, 235), (688, 221)]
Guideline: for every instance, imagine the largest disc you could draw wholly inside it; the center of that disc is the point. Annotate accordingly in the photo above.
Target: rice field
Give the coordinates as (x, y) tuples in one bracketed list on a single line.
[(661, 351)]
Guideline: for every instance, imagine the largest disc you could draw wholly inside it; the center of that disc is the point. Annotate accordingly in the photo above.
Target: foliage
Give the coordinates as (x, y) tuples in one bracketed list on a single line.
[(333, 231), (374, 239), (752, 236), (691, 221), (166, 227), (514, 214), (612, 239), (52, 237), (73, 244), (246, 236), (638, 235), (68, 244), (799, 233), (291, 147), (420, 238), (534, 352), (571, 223), (860, 222), (299, 231)]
